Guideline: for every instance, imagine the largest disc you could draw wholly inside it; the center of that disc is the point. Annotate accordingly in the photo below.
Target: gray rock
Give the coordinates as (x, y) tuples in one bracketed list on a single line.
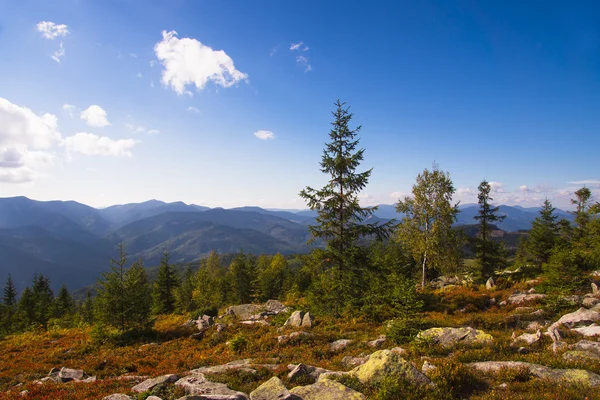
[(273, 389), (339, 345), (189, 323), (117, 396), (377, 343), (352, 362), (307, 320), (581, 317), (283, 339), (153, 398), (69, 374), (220, 327), (490, 284), (244, 365), (595, 288), (588, 331), (525, 298), (529, 338), (586, 345), (590, 302), (580, 355), (428, 367), (450, 337), (149, 384), (326, 389), (298, 371), (275, 307), (197, 384), (399, 350), (295, 319)]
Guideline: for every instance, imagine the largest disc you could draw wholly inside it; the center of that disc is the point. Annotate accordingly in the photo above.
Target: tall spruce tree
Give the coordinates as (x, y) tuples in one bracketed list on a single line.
[(583, 202), (43, 298), (63, 303), (10, 293), (426, 228), (240, 276), (341, 221), (488, 252), (164, 287), (543, 235), (209, 293), (184, 301)]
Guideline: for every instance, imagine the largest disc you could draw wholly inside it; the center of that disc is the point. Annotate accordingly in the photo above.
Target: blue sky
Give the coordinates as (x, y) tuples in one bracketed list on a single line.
[(102, 103)]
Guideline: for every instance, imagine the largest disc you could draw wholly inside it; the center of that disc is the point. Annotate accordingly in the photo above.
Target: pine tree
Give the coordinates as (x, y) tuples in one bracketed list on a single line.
[(43, 298), (26, 307), (10, 293), (270, 277), (63, 303), (87, 309), (426, 228), (240, 277), (583, 202), (139, 297), (488, 253), (543, 235), (184, 301), (164, 287), (209, 291), (341, 221)]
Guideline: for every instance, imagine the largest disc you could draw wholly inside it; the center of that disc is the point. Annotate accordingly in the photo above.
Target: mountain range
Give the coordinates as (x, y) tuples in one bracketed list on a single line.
[(72, 243)]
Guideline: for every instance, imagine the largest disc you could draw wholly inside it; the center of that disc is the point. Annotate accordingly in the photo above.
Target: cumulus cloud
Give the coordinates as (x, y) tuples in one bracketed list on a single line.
[(139, 75), (301, 59), (25, 142), (58, 54), (50, 30), (496, 187), (264, 135), (94, 145), (95, 116), (187, 61)]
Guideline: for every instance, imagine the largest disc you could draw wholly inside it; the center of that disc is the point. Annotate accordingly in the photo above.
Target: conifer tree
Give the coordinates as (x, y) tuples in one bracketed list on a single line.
[(488, 253), (209, 283), (27, 307), (87, 309), (543, 235), (139, 297), (63, 303), (583, 203), (10, 293), (184, 293), (270, 277), (426, 228), (240, 276), (43, 298), (341, 221), (164, 287)]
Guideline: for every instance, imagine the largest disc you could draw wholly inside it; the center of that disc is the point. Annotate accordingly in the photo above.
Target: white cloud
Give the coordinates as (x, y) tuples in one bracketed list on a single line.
[(524, 188), (303, 61), (95, 116), (300, 46), (135, 128), (153, 132), (94, 145), (264, 135), (58, 54), (496, 187), (50, 30), (398, 195), (70, 109), (192, 110), (593, 183), (25, 141), (189, 62)]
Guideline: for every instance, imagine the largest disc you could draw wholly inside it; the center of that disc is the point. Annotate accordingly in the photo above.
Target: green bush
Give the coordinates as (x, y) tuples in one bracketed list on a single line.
[(403, 330), (238, 344)]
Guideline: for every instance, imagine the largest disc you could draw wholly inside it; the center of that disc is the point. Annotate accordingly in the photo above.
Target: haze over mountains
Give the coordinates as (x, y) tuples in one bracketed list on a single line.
[(71, 242)]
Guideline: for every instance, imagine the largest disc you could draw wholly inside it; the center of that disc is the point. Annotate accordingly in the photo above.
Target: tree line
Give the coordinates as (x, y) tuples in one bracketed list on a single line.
[(368, 268)]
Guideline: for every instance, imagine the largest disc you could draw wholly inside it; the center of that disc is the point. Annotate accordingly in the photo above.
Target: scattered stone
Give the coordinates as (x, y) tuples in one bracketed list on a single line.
[(529, 338), (117, 396), (522, 350), (377, 342), (326, 389), (197, 384), (502, 303), (149, 384), (339, 345), (490, 284), (299, 334), (244, 311), (24, 393), (220, 327), (588, 331), (525, 298), (586, 345), (590, 302), (204, 323), (153, 398), (295, 319), (307, 320), (450, 337), (189, 323), (542, 372), (523, 310), (595, 288), (305, 371), (531, 291), (242, 365), (502, 386), (385, 364), (255, 322), (581, 355), (273, 389), (428, 367), (535, 325), (283, 339), (352, 362), (399, 350), (445, 281), (581, 317)]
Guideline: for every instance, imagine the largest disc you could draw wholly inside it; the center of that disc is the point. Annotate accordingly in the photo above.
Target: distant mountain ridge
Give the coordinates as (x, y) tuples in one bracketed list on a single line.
[(72, 242)]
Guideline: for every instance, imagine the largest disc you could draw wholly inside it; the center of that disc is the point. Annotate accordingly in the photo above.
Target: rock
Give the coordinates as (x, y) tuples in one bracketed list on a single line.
[(197, 384), (428, 367), (149, 384), (204, 323), (255, 322), (189, 323), (23, 393), (529, 338), (588, 331), (502, 303), (590, 302), (450, 337), (244, 365), (339, 345), (525, 298), (307, 320), (490, 284), (531, 291), (305, 371), (69, 374), (523, 310), (153, 398), (352, 362), (399, 350), (522, 350), (542, 372), (445, 281), (283, 339), (502, 386), (326, 390), (220, 327), (572, 299), (244, 311), (586, 345), (580, 355), (273, 389), (581, 317), (535, 325), (595, 288), (377, 342), (295, 319), (385, 364), (117, 396), (275, 307)]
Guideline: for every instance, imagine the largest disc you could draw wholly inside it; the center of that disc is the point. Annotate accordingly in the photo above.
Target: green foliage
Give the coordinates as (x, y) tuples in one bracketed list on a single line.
[(164, 287), (542, 238), (239, 278), (489, 254), (426, 228), (10, 293), (209, 283), (270, 277), (455, 380), (184, 300), (564, 271), (238, 343)]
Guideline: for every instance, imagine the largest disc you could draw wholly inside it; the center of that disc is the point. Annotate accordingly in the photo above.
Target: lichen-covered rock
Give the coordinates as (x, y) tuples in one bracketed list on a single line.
[(149, 384), (197, 384), (520, 298), (326, 390), (377, 343), (68, 375), (581, 317), (353, 362), (273, 389), (542, 372), (589, 302), (490, 284), (427, 367), (529, 338), (239, 365), (588, 331), (339, 345), (117, 396), (450, 337), (387, 364), (580, 355), (307, 320), (299, 371), (295, 319)]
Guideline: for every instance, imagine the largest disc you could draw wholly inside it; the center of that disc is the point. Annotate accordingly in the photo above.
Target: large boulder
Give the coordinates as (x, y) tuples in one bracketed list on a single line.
[(307, 320), (295, 319), (273, 389), (197, 384), (150, 384), (520, 298), (303, 371), (450, 337), (326, 390), (588, 331), (385, 364), (117, 396), (542, 372), (581, 317), (244, 311)]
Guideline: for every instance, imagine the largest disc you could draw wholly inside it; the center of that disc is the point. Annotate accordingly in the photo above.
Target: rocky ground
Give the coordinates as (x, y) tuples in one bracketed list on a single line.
[(478, 342)]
